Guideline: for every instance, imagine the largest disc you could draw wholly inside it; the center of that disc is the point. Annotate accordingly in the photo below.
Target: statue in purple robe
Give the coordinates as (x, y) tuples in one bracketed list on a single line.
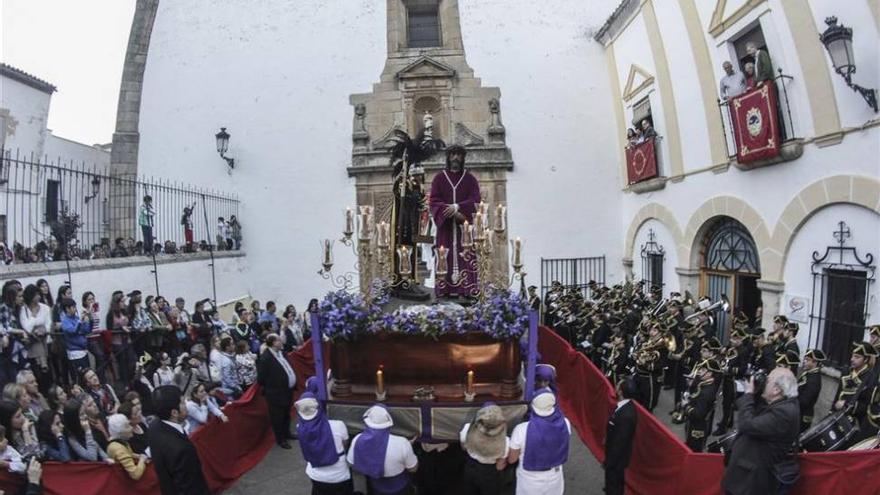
[(454, 196)]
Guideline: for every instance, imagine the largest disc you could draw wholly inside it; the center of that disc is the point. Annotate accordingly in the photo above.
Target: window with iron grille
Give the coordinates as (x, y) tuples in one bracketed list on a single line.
[(841, 287), (572, 272), (731, 248), (53, 196), (652, 262), (3, 229), (423, 26)]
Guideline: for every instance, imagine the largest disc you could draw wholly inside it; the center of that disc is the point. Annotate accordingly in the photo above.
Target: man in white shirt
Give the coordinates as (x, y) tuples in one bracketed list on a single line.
[(733, 83), (323, 442), (487, 446), (385, 459), (541, 444)]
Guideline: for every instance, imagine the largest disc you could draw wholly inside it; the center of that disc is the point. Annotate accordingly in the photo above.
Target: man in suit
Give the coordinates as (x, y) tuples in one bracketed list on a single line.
[(619, 436), (766, 438), (174, 456), (276, 379)]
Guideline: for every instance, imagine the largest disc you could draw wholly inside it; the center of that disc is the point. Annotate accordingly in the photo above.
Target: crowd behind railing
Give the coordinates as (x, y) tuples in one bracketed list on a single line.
[(77, 382)]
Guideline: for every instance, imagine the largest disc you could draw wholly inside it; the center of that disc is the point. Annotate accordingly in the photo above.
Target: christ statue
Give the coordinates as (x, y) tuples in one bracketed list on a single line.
[(454, 196)]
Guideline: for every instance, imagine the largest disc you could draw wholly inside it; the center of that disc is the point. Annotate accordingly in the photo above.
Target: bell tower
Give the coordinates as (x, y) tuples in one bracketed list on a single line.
[(426, 71)]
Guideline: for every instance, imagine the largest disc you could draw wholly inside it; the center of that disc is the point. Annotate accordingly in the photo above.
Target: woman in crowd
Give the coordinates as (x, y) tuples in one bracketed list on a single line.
[(198, 406), (218, 326), (45, 293), (12, 356), (185, 375), (95, 341), (103, 394), (201, 323), (118, 323), (19, 430), (632, 138), (245, 364), (132, 411), (53, 442), (57, 398), (80, 434), (311, 309), (36, 319), (139, 319), (164, 373), (18, 394), (120, 449), (160, 328), (229, 382), (291, 329)]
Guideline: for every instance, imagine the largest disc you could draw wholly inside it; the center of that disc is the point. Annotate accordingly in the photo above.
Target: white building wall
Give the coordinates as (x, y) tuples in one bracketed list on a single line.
[(190, 280), (815, 235), (278, 75), (28, 112), (81, 155)]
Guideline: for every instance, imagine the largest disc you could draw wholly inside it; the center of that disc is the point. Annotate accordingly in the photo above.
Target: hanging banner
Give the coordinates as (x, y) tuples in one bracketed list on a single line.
[(756, 124), (641, 162)]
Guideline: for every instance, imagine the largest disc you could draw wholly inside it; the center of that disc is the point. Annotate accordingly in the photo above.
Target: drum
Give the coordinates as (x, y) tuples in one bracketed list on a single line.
[(723, 444), (872, 443), (831, 433)]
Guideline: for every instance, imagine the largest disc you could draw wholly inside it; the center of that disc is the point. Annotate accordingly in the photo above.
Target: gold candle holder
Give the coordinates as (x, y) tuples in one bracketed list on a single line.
[(467, 236), (404, 264), (442, 264)]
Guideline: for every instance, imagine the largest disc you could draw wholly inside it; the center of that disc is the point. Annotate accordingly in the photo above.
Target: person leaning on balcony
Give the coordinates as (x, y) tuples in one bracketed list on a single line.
[(763, 65), (733, 83), (648, 131)]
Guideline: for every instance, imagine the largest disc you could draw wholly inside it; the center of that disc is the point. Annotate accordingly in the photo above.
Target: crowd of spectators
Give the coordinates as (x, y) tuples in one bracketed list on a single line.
[(77, 383)]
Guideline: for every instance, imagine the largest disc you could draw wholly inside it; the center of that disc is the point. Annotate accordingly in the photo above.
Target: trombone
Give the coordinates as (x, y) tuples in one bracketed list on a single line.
[(723, 304)]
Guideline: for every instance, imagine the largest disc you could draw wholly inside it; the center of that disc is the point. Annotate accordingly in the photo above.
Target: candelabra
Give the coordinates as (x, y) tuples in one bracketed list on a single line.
[(363, 245), (478, 242)]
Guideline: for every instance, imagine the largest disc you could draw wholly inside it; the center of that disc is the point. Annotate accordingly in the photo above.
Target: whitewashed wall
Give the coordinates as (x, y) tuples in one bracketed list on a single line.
[(29, 110), (278, 75), (190, 279), (815, 235)]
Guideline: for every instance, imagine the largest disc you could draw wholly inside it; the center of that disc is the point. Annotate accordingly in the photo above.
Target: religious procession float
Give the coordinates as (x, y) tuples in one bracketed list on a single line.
[(432, 357)]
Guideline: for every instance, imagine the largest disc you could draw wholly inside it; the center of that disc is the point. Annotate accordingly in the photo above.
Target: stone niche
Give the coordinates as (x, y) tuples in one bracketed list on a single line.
[(436, 80)]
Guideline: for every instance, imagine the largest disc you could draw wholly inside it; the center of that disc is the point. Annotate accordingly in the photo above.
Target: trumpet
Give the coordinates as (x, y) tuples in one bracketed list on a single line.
[(724, 304)]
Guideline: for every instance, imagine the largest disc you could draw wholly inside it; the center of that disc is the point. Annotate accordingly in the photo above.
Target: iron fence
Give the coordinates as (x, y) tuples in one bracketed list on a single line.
[(572, 272), (37, 195), (787, 129)]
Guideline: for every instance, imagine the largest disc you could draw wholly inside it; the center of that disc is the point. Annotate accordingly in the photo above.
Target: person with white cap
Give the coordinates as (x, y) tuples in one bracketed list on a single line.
[(322, 442), (486, 443), (540, 445), (385, 459)]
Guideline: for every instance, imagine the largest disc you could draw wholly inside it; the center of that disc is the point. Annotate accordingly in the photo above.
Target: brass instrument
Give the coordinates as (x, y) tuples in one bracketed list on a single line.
[(724, 304)]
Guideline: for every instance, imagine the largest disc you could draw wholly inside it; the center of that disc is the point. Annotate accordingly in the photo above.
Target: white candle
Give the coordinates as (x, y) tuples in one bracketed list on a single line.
[(467, 238), (500, 215), (517, 252), (328, 252), (442, 265)]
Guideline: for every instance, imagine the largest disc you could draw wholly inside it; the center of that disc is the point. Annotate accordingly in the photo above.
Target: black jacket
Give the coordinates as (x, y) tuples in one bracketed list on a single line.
[(619, 434), (765, 438), (176, 461), (273, 379), (809, 387)]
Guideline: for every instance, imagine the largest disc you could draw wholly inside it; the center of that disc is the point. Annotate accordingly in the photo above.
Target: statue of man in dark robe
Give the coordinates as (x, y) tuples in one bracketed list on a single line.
[(454, 196)]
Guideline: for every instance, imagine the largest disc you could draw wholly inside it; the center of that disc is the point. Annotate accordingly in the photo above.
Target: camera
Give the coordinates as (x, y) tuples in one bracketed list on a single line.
[(760, 378)]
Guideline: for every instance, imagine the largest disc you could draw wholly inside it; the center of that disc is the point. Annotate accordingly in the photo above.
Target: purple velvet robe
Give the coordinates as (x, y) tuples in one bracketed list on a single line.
[(462, 189)]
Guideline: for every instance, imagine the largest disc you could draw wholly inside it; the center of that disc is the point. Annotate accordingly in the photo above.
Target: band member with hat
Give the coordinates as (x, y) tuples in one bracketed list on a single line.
[(734, 364), (856, 387), (874, 340), (322, 442), (787, 360), (788, 343), (486, 443), (385, 459), (535, 300), (701, 406), (809, 385), (540, 445)]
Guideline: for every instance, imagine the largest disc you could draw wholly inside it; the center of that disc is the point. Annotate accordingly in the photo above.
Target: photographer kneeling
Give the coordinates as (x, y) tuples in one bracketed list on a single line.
[(763, 457)]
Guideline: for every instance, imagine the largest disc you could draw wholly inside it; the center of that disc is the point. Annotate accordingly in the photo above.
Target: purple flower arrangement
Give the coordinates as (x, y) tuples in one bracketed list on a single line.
[(344, 316)]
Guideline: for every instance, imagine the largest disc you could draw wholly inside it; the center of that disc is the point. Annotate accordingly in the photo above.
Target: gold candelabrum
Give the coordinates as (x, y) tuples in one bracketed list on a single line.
[(369, 240), (478, 242), (366, 240)]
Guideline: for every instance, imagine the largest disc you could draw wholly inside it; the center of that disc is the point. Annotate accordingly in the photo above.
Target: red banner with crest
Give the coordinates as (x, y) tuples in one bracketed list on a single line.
[(756, 124), (641, 162)]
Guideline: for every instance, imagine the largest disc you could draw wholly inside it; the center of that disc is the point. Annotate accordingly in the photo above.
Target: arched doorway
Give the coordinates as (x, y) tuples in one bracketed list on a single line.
[(730, 267)]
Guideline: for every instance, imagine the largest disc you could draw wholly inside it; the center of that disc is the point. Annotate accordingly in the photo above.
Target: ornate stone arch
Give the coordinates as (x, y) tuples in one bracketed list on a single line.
[(660, 213), (839, 189), (740, 211)]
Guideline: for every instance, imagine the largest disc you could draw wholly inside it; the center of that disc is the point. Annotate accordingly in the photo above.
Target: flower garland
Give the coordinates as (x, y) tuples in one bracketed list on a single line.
[(344, 316)]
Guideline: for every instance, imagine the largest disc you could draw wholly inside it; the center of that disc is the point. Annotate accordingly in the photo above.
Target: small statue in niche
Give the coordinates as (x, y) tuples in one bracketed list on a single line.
[(360, 114), (496, 129)]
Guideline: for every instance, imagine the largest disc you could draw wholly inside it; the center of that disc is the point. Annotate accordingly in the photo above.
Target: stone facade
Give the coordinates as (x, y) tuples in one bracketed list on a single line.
[(439, 81)]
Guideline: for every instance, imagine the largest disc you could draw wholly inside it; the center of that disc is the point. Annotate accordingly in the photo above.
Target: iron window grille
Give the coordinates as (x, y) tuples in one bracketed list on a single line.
[(841, 287), (653, 256), (572, 272), (731, 248)]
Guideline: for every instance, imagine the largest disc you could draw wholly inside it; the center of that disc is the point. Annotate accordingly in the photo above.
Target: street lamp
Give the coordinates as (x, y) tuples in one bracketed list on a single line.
[(838, 41), (222, 138), (96, 186)]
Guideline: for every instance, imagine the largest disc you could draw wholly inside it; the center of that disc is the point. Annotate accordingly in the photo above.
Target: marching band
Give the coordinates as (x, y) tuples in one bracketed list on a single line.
[(627, 331)]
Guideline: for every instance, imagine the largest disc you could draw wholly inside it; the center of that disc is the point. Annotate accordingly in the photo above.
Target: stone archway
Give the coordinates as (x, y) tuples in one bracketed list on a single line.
[(652, 211), (838, 189)]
